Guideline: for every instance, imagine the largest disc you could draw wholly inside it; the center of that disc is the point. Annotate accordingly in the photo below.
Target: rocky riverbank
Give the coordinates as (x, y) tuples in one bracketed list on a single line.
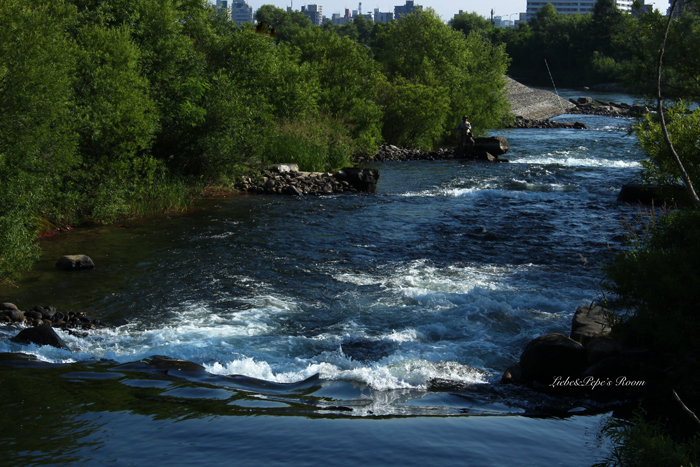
[(38, 323), (484, 149), (589, 106), (520, 122), (533, 108), (286, 179)]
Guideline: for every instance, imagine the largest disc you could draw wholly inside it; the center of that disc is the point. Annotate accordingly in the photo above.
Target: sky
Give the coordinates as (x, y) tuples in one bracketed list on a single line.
[(445, 8)]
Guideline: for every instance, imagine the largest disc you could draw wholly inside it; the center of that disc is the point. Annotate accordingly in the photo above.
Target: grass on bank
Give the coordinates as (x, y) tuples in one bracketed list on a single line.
[(315, 144), (641, 443)]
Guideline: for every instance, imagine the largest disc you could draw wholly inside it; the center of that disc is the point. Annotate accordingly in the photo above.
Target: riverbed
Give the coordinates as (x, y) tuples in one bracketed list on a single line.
[(341, 329)]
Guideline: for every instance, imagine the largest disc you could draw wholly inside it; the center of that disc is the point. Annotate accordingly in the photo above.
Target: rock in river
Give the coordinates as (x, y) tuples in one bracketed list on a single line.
[(40, 335), (72, 262)]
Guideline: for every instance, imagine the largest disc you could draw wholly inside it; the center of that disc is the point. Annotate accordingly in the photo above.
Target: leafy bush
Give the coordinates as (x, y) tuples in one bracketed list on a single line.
[(316, 145), (414, 115), (658, 280), (684, 128), (348, 81)]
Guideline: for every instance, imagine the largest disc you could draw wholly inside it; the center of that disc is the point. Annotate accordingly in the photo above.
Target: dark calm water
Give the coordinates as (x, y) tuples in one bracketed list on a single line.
[(348, 330)]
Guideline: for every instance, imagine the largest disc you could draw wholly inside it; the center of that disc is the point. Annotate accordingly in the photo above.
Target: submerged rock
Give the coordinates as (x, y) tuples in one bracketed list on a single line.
[(73, 262)]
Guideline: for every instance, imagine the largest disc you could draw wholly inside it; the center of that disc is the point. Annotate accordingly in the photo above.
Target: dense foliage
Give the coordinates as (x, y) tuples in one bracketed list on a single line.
[(606, 46), (110, 108), (657, 279), (659, 167)]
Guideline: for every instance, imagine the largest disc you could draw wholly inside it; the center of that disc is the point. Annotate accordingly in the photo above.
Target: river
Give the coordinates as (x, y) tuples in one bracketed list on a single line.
[(344, 329)]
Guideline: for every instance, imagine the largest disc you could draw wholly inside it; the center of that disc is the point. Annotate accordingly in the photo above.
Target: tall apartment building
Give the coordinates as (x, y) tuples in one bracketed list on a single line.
[(314, 12), (406, 9), (382, 17), (570, 7), (238, 10), (241, 12)]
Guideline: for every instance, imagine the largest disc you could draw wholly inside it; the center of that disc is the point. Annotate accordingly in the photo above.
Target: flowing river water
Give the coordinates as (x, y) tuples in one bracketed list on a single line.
[(365, 329)]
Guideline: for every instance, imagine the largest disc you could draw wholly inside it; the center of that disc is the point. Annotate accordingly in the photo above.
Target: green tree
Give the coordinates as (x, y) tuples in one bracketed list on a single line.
[(360, 30), (37, 143), (681, 68), (607, 22), (348, 82), (415, 115), (468, 22), (287, 23), (421, 49), (117, 121)]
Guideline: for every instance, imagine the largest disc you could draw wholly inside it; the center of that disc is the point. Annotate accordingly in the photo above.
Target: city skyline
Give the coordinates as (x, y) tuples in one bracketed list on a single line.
[(445, 8)]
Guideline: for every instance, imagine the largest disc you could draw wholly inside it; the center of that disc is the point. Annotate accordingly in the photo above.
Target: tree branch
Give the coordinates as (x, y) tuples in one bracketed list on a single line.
[(685, 408), (684, 175)]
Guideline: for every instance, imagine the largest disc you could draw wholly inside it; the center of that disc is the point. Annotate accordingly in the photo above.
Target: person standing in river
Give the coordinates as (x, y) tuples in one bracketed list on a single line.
[(464, 128)]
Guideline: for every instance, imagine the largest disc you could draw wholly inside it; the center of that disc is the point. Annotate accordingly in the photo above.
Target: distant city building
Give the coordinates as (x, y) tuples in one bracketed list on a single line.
[(376, 16), (314, 13), (569, 7), (407, 9), (241, 12), (222, 5), (337, 19), (382, 17), (503, 22)]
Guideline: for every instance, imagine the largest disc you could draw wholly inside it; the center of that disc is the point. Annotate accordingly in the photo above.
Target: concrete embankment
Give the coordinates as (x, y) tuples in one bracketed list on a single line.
[(535, 104)]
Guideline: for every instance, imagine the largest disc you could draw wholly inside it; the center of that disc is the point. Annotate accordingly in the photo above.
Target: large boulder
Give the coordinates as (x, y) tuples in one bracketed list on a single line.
[(494, 145), (634, 193), (40, 335), (550, 356), (589, 322), (73, 262), (364, 180)]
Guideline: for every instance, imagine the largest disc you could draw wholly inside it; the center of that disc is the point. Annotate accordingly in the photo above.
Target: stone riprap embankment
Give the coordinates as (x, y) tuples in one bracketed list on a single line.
[(286, 179), (535, 104), (533, 108)]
